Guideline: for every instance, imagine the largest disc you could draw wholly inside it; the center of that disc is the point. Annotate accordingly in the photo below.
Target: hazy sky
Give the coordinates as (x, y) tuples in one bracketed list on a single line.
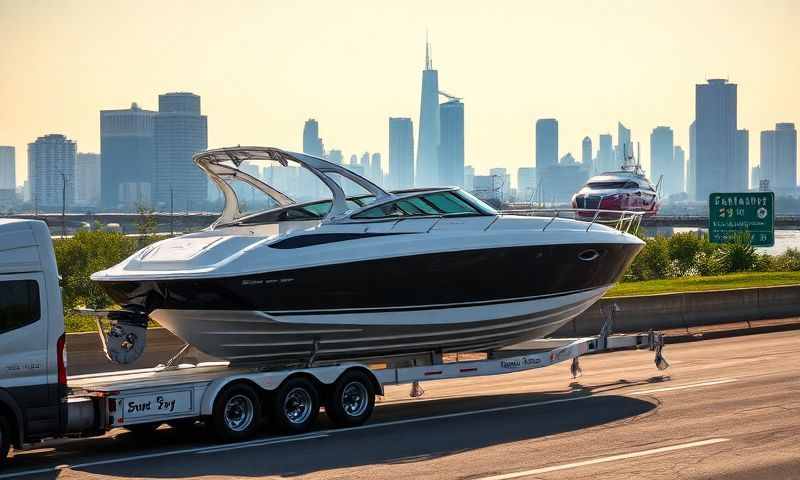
[(264, 67)]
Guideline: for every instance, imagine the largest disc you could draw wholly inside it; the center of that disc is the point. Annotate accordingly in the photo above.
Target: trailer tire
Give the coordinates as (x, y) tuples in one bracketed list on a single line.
[(237, 413), (351, 399), (5, 440), (295, 405)]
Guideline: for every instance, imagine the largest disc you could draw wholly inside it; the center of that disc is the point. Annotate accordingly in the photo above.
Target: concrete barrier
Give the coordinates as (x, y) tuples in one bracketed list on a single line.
[(686, 310)]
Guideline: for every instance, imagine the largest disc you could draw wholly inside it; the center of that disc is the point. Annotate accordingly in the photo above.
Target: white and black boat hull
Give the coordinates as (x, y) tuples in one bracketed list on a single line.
[(254, 336)]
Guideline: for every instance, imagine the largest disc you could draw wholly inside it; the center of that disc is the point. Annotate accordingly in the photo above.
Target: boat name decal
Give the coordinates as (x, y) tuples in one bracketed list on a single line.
[(271, 281)]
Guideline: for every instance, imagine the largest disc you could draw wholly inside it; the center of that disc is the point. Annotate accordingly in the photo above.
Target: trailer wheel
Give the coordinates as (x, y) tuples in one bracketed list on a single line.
[(351, 400), (295, 405), (237, 413), (5, 440)]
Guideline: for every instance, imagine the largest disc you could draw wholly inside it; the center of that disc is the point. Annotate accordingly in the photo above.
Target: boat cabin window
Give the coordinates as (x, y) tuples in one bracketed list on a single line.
[(607, 185), (19, 304), (437, 203)]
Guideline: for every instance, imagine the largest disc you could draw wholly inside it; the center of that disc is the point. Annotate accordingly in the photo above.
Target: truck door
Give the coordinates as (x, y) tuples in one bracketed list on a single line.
[(24, 352)]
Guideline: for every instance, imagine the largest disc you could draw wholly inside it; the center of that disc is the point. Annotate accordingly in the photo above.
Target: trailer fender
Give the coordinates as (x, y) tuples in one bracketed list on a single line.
[(270, 381), (9, 407)]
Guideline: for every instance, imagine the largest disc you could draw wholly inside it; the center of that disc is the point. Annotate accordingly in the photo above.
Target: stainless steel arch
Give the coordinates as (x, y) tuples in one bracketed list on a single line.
[(213, 163)]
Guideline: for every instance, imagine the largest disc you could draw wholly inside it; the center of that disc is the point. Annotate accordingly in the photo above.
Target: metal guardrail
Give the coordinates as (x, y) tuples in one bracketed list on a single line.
[(623, 220)]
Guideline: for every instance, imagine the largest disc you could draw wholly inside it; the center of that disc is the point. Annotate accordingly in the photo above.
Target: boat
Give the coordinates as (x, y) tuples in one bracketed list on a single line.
[(626, 189), (373, 274)]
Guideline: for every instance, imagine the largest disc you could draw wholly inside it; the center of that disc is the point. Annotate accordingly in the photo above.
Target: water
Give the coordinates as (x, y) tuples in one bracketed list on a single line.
[(784, 239)]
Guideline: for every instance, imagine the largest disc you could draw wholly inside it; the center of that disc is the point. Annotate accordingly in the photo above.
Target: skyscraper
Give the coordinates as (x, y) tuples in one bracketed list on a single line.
[(180, 132), (127, 155), (742, 159), (624, 145), (376, 169), (312, 143), (8, 168), (501, 182), (427, 153), (51, 171), (451, 147), (691, 177), (715, 138), (526, 184), (679, 157), (785, 157), (586, 154), (335, 156), (605, 154), (779, 157), (469, 178), (87, 179), (401, 153), (767, 161), (546, 144), (662, 160)]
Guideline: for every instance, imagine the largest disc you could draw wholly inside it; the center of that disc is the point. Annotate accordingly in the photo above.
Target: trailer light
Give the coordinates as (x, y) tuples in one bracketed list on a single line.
[(61, 356), (471, 369), (434, 372)]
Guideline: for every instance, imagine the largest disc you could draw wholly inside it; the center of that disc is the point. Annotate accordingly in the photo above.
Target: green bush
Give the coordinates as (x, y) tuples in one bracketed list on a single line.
[(652, 262), (83, 254), (738, 255), (684, 249), (788, 261)]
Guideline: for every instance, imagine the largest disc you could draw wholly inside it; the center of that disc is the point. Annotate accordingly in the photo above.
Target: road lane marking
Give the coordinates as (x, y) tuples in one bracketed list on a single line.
[(260, 443), (612, 458), (684, 387)]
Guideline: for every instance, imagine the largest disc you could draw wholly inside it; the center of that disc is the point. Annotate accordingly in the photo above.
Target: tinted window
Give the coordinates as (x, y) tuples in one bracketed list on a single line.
[(447, 202), (605, 185), (440, 203), (19, 304)]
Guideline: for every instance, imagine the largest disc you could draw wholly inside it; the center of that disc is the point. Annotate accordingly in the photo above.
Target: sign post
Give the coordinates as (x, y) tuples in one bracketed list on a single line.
[(752, 212)]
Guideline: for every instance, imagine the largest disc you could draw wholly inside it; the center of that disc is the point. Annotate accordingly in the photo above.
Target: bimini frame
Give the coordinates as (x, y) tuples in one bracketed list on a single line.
[(217, 166)]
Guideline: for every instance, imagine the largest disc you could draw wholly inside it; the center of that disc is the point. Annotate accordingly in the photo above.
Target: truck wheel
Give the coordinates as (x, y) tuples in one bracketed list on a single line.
[(295, 405), (351, 400), (237, 413), (5, 440)]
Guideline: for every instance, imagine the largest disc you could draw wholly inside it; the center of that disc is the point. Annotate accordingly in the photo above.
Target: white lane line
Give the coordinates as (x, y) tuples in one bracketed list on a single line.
[(684, 387), (612, 458), (199, 450)]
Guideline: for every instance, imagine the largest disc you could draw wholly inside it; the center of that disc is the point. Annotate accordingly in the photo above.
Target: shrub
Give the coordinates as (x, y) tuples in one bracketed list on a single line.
[(738, 255), (788, 261), (653, 261), (683, 250)]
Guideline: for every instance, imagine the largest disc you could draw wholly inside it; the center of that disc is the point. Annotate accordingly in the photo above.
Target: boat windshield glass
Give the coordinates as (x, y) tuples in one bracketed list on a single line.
[(435, 203)]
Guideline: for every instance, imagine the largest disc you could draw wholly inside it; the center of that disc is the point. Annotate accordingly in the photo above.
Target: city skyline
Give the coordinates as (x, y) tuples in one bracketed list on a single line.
[(503, 108)]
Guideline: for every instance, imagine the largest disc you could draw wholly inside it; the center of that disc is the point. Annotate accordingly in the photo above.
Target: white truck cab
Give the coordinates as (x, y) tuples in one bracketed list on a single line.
[(33, 376)]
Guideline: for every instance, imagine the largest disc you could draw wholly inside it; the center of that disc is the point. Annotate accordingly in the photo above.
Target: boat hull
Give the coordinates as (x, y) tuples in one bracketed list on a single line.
[(254, 336)]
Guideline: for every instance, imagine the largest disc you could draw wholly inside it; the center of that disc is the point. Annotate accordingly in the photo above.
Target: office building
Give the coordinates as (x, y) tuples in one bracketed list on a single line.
[(451, 146), (679, 157), (469, 178), (427, 171), (715, 138), (127, 155), (180, 132), (51, 171), (335, 156), (755, 177), (87, 179), (376, 169), (785, 157), (546, 143), (741, 167), (691, 181), (501, 182), (605, 154), (401, 153), (624, 151), (526, 184), (312, 143), (662, 161), (586, 154), (8, 168)]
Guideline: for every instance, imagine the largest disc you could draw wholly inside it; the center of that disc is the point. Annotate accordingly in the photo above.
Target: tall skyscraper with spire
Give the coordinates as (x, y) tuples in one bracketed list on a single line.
[(427, 173)]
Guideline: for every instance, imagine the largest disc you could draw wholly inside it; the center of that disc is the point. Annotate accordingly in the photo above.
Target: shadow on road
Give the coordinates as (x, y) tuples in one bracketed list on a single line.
[(519, 417)]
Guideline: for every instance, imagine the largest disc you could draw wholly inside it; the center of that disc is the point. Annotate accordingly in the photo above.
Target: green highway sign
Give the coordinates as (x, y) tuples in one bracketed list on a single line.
[(730, 213)]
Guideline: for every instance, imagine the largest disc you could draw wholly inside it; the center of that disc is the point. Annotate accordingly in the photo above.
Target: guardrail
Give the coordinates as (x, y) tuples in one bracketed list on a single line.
[(623, 220)]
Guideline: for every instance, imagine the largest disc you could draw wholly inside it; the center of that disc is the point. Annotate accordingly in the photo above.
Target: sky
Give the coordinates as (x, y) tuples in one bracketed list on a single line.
[(263, 67)]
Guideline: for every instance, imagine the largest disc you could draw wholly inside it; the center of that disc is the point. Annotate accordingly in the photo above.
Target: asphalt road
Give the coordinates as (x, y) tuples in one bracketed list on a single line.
[(727, 408)]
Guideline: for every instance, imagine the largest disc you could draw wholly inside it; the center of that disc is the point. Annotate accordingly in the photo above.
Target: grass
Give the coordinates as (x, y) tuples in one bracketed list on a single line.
[(694, 284)]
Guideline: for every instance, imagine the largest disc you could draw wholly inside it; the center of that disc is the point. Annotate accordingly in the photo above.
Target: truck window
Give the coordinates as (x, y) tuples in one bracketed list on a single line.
[(19, 304)]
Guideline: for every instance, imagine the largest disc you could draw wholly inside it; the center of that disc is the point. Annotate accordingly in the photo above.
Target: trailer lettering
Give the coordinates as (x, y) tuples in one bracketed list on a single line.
[(138, 407), (168, 405)]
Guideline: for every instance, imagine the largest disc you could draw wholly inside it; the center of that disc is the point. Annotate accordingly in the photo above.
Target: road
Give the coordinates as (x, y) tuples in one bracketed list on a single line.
[(727, 408)]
